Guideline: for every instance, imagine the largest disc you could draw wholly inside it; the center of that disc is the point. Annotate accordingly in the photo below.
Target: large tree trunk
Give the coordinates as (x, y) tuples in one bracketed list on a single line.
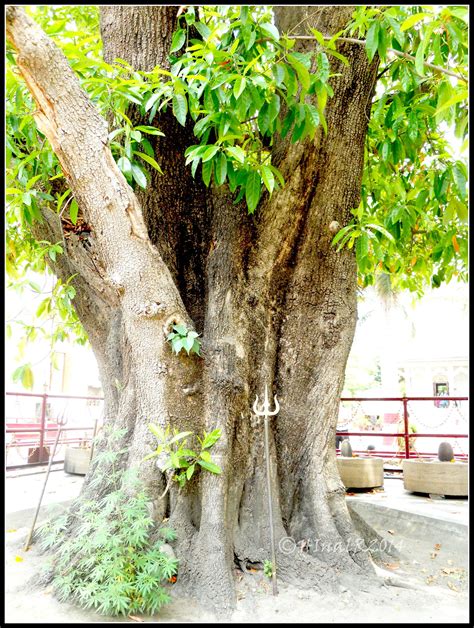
[(274, 301)]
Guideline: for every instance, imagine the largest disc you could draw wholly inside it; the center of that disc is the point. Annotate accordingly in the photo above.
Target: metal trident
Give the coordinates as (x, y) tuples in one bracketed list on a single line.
[(266, 413)]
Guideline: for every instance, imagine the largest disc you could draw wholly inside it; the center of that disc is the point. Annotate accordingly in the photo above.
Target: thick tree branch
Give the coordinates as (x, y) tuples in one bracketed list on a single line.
[(78, 135)]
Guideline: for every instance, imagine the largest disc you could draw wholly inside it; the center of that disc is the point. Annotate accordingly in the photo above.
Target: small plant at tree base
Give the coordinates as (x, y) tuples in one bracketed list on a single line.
[(183, 338), (173, 453), (113, 562), (268, 568)]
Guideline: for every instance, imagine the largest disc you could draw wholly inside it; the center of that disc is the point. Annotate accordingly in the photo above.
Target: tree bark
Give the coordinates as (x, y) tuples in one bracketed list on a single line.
[(274, 301)]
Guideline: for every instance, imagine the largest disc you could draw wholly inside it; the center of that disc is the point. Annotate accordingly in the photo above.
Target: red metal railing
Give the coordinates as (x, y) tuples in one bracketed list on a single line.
[(42, 429), (33, 433), (405, 433)]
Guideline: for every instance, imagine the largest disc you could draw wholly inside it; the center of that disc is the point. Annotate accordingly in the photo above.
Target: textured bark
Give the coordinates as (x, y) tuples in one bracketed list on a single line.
[(275, 302)]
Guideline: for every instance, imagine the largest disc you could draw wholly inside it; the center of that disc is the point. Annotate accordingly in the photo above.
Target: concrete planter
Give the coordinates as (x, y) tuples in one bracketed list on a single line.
[(76, 460), (361, 472), (435, 477)]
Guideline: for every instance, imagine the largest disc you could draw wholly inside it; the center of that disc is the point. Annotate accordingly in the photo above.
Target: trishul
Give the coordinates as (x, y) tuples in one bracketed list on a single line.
[(267, 413)]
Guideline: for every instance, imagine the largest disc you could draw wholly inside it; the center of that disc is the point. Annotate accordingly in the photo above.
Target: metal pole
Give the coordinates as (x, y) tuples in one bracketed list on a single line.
[(270, 506), (43, 419), (405, 427), (28, 541), (94, 433)]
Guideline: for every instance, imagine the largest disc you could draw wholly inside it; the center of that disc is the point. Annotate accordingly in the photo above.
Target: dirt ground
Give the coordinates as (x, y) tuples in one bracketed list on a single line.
[(436, 573)]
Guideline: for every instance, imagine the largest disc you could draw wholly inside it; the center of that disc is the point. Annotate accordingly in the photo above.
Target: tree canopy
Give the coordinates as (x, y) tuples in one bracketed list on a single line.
[(244, 87)]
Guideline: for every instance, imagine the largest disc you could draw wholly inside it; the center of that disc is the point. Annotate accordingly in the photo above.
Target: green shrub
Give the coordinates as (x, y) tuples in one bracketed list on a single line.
[(114, 561)]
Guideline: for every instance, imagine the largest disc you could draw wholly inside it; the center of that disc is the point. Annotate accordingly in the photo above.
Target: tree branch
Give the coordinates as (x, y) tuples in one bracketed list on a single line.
[(78, 135)]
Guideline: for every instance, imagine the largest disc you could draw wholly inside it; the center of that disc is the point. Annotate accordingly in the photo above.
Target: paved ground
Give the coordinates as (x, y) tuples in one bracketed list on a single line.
[(22, 491), (430, 533), (394, 496)]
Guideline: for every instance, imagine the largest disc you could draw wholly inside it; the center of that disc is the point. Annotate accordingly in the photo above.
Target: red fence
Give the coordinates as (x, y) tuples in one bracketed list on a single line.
[(38, 434), (405, 421)]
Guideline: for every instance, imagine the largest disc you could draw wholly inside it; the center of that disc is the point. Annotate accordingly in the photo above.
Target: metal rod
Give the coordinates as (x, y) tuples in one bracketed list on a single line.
[(270, 506), (93, 437), (28, 541), (406, 428), (407, 398), (43, 419)]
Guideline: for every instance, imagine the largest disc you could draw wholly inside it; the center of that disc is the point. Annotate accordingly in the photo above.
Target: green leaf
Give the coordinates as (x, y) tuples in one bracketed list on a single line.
[(273, 107), (151, 130), (459, 97), (263, 119), (178, 437), (149, 103), (73, 211), (382, 230), (268, 178), (239, 86), (210, 466), (270, 31), (125, 165), (253, 189), (150, 161), (139, 176), (180, 108), (236, 152), (248, 35), (190, 471), (207, 172), (182, 330), (413, 19), (220, 168), (362, 246), (157, 431), (178, 40), (25, 375), (372, 39), (205, 455), (175, 461), (211, 438), (420, 60), (340, 234), (460, 180), (177, 344), (188, 344), (300, 70), (209, 153), (203, 30)]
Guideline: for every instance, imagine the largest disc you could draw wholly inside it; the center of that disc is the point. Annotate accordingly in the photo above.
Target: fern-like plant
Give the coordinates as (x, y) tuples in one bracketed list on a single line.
[(114, 562)]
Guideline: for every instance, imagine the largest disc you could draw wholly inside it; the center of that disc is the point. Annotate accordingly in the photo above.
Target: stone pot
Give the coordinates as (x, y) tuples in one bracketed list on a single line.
[(361, 472), (435, 477), (77, 460)]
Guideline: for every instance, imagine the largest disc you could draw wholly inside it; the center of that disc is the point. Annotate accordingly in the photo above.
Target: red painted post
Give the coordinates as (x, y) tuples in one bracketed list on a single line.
[(405, 427), (42, 424)]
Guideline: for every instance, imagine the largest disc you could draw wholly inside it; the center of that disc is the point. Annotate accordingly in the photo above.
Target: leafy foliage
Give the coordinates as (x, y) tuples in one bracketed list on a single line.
[(268, 568), (183, 338), (113, 563), (174, 454), (240, 85), (415, 186)]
